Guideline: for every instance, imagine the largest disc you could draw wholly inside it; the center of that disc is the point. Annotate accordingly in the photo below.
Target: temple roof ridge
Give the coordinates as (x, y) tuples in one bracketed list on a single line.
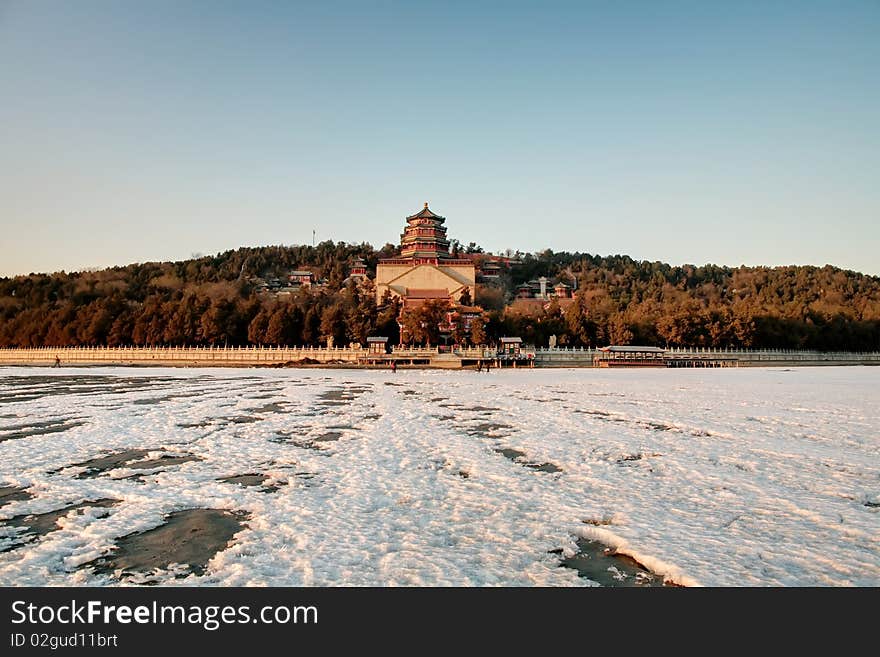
[(425, 213)]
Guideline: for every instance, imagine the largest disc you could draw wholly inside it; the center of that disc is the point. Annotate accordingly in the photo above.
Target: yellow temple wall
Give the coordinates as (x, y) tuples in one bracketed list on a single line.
[(399, 278)]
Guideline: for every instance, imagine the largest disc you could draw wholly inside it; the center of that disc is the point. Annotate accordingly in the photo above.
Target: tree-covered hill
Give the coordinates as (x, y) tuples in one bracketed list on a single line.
[(222, 299)]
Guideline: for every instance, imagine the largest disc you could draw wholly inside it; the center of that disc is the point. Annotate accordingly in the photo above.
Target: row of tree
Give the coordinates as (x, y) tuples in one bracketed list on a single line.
[(213, 301)]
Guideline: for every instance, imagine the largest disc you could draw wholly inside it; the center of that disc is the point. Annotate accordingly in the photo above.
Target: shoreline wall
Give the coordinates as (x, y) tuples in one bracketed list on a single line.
[(699, 357), (355, 357), (231, 356)]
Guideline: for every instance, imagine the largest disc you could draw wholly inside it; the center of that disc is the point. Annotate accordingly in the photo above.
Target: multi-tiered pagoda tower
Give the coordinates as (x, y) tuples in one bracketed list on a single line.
[(424, 237), (425, 269)]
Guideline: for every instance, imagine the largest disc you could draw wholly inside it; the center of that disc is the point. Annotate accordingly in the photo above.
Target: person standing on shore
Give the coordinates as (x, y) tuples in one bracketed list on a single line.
[(393, 366), (57, 362)]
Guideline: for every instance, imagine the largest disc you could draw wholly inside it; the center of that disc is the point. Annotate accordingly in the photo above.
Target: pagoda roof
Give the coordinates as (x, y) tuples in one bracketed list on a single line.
[(425, 213)]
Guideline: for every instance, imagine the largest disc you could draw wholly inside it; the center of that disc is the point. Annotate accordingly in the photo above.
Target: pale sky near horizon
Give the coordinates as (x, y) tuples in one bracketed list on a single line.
[(685, 132)]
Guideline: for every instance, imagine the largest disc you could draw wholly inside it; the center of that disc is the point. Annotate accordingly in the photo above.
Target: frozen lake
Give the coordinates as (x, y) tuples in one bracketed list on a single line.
[(355, 477)]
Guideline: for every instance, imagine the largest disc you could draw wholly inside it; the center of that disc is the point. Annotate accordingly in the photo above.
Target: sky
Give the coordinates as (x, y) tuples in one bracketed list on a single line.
[(685, 132)]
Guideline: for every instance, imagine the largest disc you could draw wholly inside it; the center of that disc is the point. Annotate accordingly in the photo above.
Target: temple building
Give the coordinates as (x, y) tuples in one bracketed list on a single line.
[(358, 268), (425, 269)]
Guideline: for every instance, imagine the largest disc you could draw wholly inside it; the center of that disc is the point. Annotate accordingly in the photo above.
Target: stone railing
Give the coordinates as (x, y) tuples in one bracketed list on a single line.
[(222, 356), (178, 355), (584, 356), (543, 357)]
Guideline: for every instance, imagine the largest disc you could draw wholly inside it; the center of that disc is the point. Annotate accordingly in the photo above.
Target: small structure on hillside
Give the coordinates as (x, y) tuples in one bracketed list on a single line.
[(301, 277), (562, 290), (358, 268)]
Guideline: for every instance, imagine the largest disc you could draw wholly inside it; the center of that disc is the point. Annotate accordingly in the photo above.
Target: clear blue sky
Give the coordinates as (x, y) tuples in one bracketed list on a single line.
[(687, 132)]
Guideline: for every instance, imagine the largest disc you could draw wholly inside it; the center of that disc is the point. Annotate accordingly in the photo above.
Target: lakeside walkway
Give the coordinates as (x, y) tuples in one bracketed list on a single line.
[(423, 357)]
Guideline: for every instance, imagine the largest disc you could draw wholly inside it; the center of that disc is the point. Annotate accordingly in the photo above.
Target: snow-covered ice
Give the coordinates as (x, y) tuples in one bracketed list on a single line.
[(712, 477)]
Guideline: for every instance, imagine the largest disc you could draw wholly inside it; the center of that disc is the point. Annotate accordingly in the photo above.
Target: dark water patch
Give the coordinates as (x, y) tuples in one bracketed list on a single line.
[(599, 563), (450, 405), (100, 464), (272, 407), (340, 426), (190, 537), (464, 474), (139, 478), (480, 408), (163, 461), (40, 524), (251, 480), (336, 395), (36, 387), (281, 437), (13, 494), (41, 428), (510, 453), (241, 419), (438, 399), (409, 392), (372, 416), (150, 401), (602, 415), (485, 428), (389, 383), (11, 399), (195, 425), (328, 436), (543, 467), (872, 505), (658, 426), (246, 480), (443, 417), (519, 457), (269, 395), (289, 435), (236, 379), (313, 445), (627, 459)]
